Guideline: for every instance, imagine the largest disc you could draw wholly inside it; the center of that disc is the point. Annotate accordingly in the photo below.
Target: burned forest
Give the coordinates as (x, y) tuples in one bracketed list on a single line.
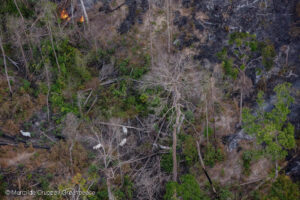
[(150, 99)]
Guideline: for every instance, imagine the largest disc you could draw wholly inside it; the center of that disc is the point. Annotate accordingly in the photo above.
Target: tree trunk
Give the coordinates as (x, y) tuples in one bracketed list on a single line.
[(203, 168), (110, 194), (241, 100), (5, 66), (84, 12), (23, 25), (175, 129), (23, 54), (168, 25), (206, 116), (52, 44), (241, 107), (48, 91), (150, 32), (213, 109)]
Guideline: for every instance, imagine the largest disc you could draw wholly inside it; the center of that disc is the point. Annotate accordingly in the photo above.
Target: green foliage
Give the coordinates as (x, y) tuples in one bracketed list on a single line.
[(122, 100), (212, 155), (189, 116), (45, 181), (241, 49), (25, 88), (92, 171), (189, 149), (268, 53), (126, 191), (227, 63), (102, 194), (207, 131), (188, 189), (223, 192), (271, 128), (247, 158), (3, 186), (73, 74), (166, 162), (283, 189), (9, 7), (134, 71)]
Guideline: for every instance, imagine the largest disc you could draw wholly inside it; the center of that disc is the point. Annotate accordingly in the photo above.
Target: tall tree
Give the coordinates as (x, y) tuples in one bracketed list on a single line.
[(272, 128)]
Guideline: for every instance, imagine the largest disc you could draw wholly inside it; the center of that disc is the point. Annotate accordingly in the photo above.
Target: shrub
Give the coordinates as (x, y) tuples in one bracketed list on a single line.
[(125, 192), (166, 162), (3, 186), (212, 155), (241, 49), (283, 189), (189, 150), (9, 7), (207, 130), (268, 53), (188, 189), (247, 158)]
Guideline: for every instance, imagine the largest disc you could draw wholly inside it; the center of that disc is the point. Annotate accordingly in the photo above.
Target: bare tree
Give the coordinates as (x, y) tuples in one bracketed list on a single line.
[(5, 65), (23, 26), (204, 169), (180, 79), (52, 44), (107, 141)]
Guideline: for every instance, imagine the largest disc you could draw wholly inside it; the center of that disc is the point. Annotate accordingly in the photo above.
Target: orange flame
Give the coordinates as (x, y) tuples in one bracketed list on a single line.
[(64, 15), (81, 20)]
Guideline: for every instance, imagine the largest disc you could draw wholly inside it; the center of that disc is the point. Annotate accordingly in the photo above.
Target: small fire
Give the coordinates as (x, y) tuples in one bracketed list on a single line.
[(64, 15), (81, 20)]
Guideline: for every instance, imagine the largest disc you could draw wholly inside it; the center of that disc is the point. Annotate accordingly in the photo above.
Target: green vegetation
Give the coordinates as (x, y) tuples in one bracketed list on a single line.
[(207, 131), (212, 155), (281, 189), (126, 190), (247, 158), (9, 7), (284, 189), (166, 162), (109, 112), (3, 186), (188, 189), (242, 49), (189, 150), (272, 128)]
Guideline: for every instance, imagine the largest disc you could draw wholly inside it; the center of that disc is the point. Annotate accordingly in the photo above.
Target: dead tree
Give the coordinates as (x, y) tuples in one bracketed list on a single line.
[(52, 45), (177, 75), (176, 128), (84, 12), (48, 90), (5, 65), (204, 169), (16, 26), (169, 24), (107, 139), (23, 26)]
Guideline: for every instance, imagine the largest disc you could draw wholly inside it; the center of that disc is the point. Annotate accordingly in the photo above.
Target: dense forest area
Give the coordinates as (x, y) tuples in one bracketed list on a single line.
[(150, 99)]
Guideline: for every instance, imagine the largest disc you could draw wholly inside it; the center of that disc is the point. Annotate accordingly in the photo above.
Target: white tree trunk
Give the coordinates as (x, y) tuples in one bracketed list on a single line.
[(84, 12), (110, 194), (206, 116), (175, 129), (5, 66)]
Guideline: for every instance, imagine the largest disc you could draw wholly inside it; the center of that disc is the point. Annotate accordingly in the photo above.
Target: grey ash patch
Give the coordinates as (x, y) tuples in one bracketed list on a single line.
[(136, 9)]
